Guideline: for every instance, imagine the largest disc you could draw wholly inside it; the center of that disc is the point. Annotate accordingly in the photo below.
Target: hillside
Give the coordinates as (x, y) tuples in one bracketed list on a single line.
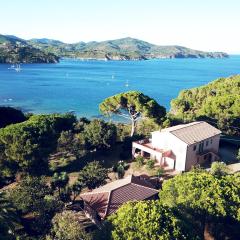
[(120, 49), (16, 50), (218, 101)]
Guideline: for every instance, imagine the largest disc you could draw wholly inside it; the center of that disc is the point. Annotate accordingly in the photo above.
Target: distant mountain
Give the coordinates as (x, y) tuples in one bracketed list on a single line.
[(14, 49), (121, 49), (17, 50)]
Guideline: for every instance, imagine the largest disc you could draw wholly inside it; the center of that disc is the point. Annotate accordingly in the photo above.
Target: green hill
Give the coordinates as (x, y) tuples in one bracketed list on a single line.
[(120, 49), (14, 49), (17, 50), (218, 101)]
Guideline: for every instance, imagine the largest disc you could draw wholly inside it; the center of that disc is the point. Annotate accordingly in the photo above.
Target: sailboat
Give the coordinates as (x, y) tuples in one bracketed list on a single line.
[(18, 68), (127, 85)]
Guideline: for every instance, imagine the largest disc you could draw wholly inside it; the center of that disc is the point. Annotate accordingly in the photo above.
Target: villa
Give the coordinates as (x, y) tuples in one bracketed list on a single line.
[(104, 201), (181, 147)]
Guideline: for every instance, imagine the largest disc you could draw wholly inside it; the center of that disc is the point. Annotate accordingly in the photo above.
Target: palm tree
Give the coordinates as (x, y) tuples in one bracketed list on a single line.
[(8, 217)]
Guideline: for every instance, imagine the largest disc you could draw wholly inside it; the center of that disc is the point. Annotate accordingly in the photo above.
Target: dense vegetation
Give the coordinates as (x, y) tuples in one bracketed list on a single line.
[(133, 106), (14, 49), (194, 205), (120, 49), (217, 102)]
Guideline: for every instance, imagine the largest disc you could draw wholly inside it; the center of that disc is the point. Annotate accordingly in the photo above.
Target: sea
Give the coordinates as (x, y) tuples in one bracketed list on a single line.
[(80, 86)]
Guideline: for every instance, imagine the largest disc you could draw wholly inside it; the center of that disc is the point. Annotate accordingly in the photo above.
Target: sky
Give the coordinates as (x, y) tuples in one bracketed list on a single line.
[(208, 25)]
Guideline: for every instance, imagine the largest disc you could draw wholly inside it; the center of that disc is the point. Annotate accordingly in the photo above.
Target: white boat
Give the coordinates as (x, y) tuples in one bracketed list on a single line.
[(18, 68), (127, 85), (12, 67)]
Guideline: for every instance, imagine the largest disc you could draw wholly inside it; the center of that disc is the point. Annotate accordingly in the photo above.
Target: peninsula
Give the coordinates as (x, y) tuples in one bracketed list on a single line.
[(17, 50)]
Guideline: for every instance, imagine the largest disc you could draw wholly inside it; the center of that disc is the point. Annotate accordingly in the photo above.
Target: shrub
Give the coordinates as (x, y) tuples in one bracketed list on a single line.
[(140, 161), (150, 164)]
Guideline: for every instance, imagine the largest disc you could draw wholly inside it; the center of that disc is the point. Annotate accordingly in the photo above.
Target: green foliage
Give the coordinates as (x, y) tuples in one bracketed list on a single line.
[(29, 194), (160, 172), (219, 169), (150, 164), (140, 160), (66, 226), (206, 200), (59, 181), (120, 168), (32, 195), (25, 146), (93, 175), (99, 134), (10, 116), (133, 105), (8, 218), (122, 49), (146, 220), (218, 101)]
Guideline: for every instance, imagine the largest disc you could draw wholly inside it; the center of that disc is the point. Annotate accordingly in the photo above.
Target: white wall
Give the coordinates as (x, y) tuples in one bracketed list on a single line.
[(167, 141)]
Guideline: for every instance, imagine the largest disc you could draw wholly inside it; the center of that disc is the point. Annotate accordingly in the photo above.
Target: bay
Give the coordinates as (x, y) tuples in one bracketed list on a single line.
[(75, 85)]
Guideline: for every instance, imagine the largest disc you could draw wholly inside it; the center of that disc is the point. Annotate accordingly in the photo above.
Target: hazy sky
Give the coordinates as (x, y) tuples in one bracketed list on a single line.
[(212, 25)]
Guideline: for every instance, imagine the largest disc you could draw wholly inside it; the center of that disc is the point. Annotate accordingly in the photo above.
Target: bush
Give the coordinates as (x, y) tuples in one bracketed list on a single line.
[(150, 164), (160, 172), (139, 160)]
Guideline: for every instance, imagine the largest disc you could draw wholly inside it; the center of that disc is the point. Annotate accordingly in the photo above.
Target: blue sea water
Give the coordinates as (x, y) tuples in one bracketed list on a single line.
[(75, 85)]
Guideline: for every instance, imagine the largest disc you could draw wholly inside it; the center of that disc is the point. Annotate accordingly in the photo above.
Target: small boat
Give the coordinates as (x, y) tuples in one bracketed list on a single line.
[(127, 85), (18, 68), (12, 67)]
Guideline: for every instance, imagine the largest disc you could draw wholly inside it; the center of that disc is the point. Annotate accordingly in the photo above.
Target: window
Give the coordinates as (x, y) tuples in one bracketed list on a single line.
[(201, 147), (194, 147), (205, 157), (206, 143), (211, 141)]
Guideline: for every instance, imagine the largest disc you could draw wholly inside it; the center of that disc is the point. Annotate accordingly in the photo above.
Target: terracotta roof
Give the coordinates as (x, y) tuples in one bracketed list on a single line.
[(107, 199), (193, 132)]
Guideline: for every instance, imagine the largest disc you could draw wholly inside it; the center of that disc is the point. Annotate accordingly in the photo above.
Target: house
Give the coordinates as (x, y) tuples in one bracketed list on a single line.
[(182, 146), (105, 200)]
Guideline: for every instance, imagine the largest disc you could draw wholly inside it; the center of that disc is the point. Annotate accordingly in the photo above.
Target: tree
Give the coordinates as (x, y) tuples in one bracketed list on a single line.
[(8, 218), (219, 169), (26, 146), (99, 134), (92, 175), (10, 115), (66, 226), (59, 181), (76, 189), (133, 106), (207, 201), (29, 194), (146, 220), (32, 195), (217, 102)]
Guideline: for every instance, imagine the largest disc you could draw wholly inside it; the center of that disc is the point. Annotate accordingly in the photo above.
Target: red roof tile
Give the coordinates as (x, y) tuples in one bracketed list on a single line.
[(107, 199)]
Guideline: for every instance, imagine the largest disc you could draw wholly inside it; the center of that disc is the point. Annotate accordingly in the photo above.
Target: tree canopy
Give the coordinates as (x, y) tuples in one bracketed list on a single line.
[(92, 175), (218, 101), (66, 226), (146, 220), (133, 106), (8, 218), (207, 200), (26, 145), (99, 134)]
